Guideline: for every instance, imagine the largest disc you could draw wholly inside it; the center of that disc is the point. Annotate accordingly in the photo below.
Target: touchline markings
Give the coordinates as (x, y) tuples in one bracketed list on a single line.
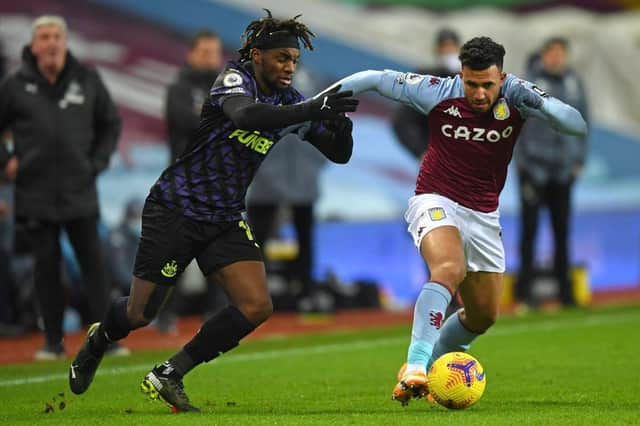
[(542, 326)]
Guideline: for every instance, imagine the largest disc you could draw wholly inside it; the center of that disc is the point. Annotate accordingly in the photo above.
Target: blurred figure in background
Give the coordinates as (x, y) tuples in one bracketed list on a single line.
[(18, 313), (548, 165), (122, 244), (65, 128), (3, 62), (191, 87), (7, 285), (184, 104), (288, 178), (410, 126), (8, 305)]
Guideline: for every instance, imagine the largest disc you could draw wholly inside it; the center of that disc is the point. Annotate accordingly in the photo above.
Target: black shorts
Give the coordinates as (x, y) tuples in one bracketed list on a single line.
[(170, 241)]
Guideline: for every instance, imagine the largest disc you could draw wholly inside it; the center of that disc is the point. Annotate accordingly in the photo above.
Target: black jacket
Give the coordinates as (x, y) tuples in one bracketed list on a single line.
[(184, 104), (64, 135), (541, 152)]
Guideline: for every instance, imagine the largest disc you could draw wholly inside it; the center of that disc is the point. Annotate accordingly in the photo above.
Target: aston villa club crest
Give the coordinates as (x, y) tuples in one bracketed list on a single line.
[(501, 110), (437, 213)]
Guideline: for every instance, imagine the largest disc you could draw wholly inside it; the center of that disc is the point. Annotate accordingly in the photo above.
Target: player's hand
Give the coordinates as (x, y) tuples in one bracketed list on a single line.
[(330, 105), (341, 127), (524, 97)]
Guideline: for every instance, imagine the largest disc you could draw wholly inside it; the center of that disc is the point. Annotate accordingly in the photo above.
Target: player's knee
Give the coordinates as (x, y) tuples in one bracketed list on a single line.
[(481, 320), (137, 318), (450, 274), (486, 321), (257, 311)]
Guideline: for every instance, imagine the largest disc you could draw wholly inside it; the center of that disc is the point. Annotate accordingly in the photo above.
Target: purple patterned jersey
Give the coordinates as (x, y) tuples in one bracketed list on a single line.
[(209, 180)]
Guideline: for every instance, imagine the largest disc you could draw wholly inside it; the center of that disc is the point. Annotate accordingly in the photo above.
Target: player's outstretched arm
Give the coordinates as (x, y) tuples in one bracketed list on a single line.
[(422, 92), (532, 101), (248, 114)]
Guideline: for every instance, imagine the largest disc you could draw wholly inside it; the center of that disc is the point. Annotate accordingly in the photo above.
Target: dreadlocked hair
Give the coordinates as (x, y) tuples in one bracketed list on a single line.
[(273, 25)]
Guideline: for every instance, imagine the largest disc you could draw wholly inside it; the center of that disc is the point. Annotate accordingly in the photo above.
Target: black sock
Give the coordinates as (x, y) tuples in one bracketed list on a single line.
[(115, 326), (182, 363), (218, 335)]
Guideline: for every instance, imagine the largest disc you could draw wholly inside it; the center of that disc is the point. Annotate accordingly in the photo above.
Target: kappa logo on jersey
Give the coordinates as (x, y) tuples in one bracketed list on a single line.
[(433, 81), (501, 110), (478, 134), (232, 79), (437, 213), (170, 269), (453, 111)]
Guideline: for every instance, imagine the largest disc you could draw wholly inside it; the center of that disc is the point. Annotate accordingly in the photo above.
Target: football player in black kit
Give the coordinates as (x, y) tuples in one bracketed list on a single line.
[(194, 208)]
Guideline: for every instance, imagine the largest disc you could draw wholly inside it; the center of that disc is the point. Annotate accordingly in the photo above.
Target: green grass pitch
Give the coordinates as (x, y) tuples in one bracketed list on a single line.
[(577, 367)]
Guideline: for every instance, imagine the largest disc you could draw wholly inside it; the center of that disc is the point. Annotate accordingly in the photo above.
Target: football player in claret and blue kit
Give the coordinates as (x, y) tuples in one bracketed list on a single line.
[(194, 209), (474, 121)]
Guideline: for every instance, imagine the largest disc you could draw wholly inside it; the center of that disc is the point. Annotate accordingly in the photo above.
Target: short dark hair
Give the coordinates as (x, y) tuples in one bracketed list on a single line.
[(480, 53), (201, 35), (447, 34), (269, 24), (555, 40)]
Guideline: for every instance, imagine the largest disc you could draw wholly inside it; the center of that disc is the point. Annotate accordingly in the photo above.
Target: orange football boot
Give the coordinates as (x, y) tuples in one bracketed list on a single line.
[(412, 385)]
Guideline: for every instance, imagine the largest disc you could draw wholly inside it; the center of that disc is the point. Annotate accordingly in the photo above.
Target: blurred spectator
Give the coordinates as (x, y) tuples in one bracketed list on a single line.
[(190, 89), (185, 97), (8, 314), (548, 165), (3, 62), (8, 326), (122, 245), (288, 178), (65, 128), (17, 306), (409, 125)]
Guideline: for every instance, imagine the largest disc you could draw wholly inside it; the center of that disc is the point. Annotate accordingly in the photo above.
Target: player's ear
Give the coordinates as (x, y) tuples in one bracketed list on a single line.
[(503, 75), (256, 55)]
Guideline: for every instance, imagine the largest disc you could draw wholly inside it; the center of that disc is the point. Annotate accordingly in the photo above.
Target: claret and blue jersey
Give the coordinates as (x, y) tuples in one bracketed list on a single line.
[(209, 180), (468, 151)]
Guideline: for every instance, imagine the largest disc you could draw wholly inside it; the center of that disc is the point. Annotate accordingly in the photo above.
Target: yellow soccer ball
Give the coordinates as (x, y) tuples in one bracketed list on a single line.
[(456, 380)]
